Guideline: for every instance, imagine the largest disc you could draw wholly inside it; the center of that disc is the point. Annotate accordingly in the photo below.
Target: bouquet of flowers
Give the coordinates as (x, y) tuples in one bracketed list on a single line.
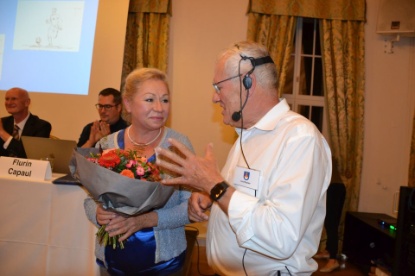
[(122, 181), (127, 163)]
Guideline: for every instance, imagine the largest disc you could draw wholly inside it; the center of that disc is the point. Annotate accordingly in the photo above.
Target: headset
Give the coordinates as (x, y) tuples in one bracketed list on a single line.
[(247, 80)]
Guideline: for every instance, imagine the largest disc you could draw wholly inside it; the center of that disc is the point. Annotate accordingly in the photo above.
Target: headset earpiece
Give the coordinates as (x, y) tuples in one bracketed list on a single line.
[(247, 81)]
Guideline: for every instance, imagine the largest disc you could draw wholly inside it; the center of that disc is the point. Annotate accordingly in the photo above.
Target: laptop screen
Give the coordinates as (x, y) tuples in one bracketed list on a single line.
[(40, 148)]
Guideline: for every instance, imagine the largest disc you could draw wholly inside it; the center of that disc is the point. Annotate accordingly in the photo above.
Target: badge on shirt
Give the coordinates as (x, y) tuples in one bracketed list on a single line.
[(247, 178)]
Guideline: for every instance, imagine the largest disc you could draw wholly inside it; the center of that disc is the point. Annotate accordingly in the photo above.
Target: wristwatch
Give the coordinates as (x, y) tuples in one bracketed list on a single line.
[(218, 190)]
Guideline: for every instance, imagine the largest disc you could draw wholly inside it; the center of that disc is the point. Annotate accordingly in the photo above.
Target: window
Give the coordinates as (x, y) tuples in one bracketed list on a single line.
[(304, 84)]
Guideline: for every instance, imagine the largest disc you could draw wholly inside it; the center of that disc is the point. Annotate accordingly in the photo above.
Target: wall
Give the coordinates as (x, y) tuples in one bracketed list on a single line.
[(389, 109), (199, 30)]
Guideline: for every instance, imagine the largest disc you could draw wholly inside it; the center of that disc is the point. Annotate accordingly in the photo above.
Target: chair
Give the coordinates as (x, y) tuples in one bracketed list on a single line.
[(191, 236)]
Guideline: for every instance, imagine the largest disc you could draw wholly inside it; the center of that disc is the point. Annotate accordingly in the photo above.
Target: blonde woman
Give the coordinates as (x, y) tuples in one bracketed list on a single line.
[(156, 241)]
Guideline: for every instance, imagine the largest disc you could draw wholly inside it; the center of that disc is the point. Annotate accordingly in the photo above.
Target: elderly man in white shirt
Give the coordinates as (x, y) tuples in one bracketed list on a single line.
[(269, 201)]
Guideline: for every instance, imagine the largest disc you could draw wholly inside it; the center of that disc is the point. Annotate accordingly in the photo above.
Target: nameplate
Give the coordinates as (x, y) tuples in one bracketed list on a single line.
[(21, 168)]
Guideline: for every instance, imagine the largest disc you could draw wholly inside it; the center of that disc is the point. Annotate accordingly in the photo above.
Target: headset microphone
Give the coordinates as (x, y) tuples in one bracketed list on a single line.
[(236, 116), (247, 80)]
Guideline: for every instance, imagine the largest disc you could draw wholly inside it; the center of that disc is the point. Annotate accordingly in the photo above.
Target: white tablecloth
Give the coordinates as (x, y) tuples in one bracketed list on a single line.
[(44, 230)]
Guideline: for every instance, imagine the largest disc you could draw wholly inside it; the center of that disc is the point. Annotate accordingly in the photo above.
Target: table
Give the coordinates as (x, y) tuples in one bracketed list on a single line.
[(44, 229), (366, 240)]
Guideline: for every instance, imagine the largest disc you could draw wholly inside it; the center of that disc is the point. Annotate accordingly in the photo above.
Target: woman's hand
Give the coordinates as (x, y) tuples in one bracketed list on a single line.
[(103, 216), (126, 226)]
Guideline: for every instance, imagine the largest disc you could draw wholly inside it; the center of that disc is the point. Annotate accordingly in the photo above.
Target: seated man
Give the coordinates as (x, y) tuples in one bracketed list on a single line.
[(109, 108), (21, 122)]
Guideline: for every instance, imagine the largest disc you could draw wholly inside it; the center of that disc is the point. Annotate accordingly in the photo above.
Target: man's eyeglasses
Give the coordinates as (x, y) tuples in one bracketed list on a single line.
[(215, 85), (105, 106)]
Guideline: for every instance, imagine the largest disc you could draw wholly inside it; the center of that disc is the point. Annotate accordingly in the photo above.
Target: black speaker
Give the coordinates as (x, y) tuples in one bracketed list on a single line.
[(405, 234)]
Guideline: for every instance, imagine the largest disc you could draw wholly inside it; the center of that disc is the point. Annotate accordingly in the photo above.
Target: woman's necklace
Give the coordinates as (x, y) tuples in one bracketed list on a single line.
[(142, 144)]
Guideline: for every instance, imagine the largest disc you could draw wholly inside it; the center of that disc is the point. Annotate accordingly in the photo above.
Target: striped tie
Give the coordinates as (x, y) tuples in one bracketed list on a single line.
[(15, 133)]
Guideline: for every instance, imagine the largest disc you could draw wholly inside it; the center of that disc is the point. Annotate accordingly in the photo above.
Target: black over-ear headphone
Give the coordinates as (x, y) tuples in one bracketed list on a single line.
[(247, 80)]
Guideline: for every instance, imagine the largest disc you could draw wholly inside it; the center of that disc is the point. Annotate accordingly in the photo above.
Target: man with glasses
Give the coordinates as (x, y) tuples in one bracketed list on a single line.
[(109, 108), (267, 205)]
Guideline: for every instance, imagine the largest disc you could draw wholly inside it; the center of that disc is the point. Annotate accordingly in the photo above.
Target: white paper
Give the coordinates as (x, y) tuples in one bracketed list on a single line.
[(28, 169)]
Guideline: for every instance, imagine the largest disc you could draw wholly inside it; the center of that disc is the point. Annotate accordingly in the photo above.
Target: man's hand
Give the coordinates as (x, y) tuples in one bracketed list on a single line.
[(104, 129), (99, 129), (198, 205), (201, 173), (4, 135)]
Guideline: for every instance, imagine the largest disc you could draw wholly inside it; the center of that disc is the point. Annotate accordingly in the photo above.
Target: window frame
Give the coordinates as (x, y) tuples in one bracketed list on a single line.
[(295, 99)]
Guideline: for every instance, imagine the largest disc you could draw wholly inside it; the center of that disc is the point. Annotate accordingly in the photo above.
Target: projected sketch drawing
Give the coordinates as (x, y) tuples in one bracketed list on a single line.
[(1, 53), (48, 25), (55, 25)]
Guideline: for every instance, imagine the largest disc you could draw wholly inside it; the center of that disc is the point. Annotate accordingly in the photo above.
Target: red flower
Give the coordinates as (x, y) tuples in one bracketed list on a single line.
[(109, 160)]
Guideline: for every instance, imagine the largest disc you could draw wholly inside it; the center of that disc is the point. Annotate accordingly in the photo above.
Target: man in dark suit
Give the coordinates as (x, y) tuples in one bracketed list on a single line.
[(109, 108), (20, 123)]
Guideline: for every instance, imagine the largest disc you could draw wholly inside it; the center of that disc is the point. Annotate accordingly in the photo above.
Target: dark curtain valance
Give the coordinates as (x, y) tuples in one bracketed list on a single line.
[(153, 6), (352, 10)]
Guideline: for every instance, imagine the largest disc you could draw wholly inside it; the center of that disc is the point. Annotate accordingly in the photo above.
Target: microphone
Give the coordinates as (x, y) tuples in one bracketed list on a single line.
[(236, 116)]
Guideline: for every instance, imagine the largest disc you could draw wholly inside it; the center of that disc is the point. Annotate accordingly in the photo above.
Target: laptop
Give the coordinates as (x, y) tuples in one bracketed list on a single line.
[(61, 151)]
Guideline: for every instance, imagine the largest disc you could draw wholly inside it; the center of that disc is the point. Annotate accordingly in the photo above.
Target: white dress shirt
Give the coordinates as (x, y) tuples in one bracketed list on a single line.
[(280, 223)]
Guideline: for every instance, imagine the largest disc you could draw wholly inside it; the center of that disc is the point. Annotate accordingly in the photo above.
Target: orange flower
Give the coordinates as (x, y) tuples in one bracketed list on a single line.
[(127, 173), (109, 160)]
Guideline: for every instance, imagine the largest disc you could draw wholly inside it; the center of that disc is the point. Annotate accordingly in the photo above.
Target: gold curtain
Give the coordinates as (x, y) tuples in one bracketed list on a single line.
[(147, 36), (411, 174), (333, 9), (344, 81), (276, 33)]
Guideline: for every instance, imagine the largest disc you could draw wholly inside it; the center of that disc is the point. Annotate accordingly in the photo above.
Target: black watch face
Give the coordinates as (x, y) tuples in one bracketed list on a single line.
[(217, 191)]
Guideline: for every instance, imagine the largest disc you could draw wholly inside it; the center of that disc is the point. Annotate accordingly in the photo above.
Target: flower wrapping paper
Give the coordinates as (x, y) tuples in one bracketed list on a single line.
[(116, 192)]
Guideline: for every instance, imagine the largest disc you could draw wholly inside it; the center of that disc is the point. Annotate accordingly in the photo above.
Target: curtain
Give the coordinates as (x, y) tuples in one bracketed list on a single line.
[(411, 175), (147, 36), (333, 9), (268, 30), (343, 66)]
